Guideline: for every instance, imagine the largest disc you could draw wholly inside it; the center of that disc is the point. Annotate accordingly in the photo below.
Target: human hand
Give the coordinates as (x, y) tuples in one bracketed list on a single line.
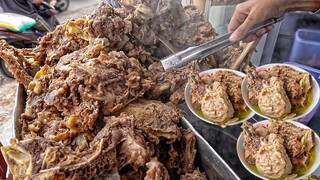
[(253, 12)]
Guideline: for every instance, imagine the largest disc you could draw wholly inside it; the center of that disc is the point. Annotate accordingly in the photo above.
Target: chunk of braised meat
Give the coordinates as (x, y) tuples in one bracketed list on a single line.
[(272, 161), (273, 100), (156, 170), (233, 83), (16, 62), (252, 142), (76, 34), (215, 104), (297, 84), (132, 148), (188, 151), (196, 174), (155, 119), (170, 83), (255, 85)]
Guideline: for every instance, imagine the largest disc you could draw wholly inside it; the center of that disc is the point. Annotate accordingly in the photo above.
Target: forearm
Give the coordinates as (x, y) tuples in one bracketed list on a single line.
[(302, 5)]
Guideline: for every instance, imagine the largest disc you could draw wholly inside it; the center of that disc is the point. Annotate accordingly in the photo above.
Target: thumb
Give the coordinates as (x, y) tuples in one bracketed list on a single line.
[(243, 29)]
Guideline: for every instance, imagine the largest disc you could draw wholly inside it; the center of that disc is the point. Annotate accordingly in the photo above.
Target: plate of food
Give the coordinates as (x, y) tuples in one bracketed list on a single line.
[(276, 149), (215, 97), (280, 91)]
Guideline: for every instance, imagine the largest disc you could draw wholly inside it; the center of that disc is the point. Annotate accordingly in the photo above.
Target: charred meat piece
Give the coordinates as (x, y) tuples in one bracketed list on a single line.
[(155, 119), (215, 105), (273, 100), (272, 161), (156, 170)]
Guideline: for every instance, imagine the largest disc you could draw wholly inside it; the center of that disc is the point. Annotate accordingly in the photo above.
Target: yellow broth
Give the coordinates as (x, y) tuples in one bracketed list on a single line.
[(295, 170), (297, 110)]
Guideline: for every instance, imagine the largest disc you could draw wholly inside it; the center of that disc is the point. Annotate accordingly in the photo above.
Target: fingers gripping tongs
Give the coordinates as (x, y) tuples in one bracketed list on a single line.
[(201, 51)]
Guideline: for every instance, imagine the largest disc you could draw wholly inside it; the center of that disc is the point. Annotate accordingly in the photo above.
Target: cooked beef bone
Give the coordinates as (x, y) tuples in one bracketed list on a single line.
[(155, 119), (174, 160), (196, 174), (156, 170), (132, 148), (25, 158), (169, 82), (99, 158), (188, 151), (16, 62)]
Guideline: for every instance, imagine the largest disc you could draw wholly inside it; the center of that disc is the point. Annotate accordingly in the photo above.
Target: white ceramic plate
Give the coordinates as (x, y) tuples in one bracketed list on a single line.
[(240, 151), (187, 95), (315, 91)]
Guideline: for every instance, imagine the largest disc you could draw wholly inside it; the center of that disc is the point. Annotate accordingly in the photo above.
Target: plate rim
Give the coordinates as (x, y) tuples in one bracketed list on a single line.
[(316, 88), (192, 109), (315, 166)]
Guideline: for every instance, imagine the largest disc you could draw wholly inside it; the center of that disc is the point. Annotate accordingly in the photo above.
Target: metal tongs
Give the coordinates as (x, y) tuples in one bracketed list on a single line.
[(201, 51)]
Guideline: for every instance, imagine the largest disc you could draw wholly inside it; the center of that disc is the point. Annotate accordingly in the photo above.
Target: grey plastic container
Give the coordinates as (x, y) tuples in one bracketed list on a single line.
[(306, 47)]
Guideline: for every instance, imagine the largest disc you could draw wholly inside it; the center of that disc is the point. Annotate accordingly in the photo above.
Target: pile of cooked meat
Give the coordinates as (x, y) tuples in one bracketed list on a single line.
[(278, 149), (279, 91), (142, 140), (218, 96), (98, 98)]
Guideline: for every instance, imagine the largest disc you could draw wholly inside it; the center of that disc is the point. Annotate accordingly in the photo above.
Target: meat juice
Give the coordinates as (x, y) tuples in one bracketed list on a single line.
[(241, 115), (295, 109), (295, 170)]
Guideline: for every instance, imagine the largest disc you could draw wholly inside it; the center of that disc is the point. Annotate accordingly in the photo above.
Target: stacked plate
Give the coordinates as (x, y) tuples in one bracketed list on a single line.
[(273, 99)]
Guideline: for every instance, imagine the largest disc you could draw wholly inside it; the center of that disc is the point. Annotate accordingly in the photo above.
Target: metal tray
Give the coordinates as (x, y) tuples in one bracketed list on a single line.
[(210, 161)]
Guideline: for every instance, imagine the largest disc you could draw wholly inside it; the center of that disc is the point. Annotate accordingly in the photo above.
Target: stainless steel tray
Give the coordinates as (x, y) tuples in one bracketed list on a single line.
[(210, 161)]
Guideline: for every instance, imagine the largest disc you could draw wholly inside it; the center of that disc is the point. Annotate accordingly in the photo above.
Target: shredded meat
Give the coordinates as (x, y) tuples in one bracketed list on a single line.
[(291, 90), (279, 148)]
